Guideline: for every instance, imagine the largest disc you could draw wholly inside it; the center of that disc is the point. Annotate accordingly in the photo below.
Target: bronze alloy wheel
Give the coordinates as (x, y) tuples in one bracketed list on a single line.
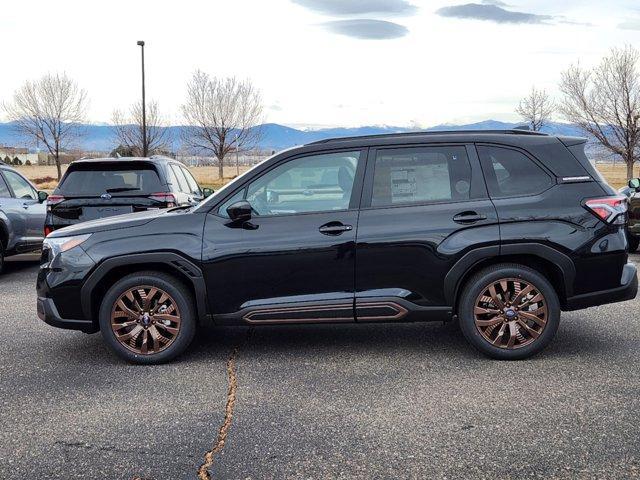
[(510, 313), (145, 320)]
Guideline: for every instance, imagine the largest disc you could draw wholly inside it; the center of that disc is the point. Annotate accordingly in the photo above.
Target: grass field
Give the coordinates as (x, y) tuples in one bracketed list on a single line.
[(44, 177)]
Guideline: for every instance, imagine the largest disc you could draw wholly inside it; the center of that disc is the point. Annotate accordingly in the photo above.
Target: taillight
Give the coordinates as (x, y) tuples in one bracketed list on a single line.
[(166, 197), (47, 230), (54, 200), (609, 209)]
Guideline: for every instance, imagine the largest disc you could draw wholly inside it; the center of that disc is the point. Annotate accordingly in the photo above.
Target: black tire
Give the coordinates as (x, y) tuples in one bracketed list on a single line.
[(633, 242), (476, 287), (1, 257), (179, 293)]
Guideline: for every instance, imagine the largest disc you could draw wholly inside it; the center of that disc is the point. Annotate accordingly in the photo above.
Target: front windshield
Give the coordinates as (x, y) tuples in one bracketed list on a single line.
[(204, 205)]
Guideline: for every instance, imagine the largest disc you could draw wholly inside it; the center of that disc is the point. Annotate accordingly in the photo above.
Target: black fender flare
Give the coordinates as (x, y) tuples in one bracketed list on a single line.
[(453, 279), (173, 261)]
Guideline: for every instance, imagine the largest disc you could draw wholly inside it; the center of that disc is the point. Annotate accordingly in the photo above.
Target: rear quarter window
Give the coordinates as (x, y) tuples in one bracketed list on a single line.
[(510, 173), (97, 178)]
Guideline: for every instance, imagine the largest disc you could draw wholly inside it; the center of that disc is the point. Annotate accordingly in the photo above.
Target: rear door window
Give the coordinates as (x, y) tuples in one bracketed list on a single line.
[(94, 179), (193, 185), (434, 174), (182, 182), (511, 173)]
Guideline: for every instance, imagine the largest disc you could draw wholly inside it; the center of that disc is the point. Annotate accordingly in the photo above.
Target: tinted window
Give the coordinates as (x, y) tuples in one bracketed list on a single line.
[(193, 185), (4, 191), (510, 173), (97, 178), (309, 184), (20, 187), (420, 175)]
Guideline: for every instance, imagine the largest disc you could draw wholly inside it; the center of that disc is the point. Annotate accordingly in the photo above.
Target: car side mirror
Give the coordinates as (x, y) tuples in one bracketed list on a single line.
[(239, 211), (207, 192), (42, 196), (634, 183)]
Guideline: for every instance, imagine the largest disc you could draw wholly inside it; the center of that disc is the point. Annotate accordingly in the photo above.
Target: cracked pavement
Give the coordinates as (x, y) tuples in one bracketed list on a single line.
[(341, 401)]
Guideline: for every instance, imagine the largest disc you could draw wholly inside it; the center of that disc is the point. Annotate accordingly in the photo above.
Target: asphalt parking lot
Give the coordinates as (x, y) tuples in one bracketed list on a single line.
[(359, 401)]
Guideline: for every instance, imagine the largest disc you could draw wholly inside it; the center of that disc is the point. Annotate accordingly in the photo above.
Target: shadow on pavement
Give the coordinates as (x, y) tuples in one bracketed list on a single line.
[(20, 263), (574, 338)]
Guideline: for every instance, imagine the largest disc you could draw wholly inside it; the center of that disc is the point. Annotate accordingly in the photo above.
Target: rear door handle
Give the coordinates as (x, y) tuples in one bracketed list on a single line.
[(468, 217), (334, 228)]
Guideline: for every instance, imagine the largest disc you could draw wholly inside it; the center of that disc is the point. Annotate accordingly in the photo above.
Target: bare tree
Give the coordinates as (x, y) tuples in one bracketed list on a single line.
[(129, 132), (50, 110), (605, 102), (222, 114), (536, 109)]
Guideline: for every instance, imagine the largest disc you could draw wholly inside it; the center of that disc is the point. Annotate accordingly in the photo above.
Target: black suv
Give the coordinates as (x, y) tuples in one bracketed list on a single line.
[(499, 230), (104, 187)]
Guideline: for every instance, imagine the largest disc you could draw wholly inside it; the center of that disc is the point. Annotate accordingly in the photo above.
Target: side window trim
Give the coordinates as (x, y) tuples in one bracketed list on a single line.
[(476, 192), (356, 192)]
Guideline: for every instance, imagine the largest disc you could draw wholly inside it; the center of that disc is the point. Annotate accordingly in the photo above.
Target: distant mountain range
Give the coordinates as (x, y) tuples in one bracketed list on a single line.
[(275, 136)]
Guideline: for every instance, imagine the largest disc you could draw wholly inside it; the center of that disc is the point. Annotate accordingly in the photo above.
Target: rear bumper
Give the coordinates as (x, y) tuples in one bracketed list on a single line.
[(48, 313), (626, 291)]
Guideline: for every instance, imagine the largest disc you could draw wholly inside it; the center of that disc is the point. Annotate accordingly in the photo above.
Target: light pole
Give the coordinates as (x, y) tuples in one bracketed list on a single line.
[(237, 164), (145, 147)]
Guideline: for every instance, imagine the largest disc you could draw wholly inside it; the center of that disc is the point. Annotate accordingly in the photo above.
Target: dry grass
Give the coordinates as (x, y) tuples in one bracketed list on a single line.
[(44, 177), (616, 174)]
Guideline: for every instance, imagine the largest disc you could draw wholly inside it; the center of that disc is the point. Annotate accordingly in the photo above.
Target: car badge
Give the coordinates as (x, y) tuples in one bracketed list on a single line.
[(105, 196)]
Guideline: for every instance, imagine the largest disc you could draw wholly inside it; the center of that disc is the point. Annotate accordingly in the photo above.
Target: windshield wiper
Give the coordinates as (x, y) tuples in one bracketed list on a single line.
[(121, 189)]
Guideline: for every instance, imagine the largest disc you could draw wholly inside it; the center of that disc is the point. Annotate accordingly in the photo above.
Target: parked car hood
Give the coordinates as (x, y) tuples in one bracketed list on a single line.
[(109, 223)]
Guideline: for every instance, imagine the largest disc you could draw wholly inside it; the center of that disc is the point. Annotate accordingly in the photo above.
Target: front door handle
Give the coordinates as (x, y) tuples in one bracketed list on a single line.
[(334, 228), (25, 206), (468, 217)]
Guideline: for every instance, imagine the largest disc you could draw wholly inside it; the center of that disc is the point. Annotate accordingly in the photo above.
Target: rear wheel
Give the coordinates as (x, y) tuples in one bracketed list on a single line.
[(509, 311), (148, 318)]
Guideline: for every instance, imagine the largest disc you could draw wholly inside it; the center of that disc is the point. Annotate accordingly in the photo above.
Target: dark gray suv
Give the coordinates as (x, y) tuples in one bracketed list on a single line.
[(22, 214)]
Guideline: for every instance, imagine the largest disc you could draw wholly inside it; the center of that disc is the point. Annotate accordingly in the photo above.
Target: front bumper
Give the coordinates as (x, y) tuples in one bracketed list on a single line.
[(626, 291), (48, 313), (58, 287)]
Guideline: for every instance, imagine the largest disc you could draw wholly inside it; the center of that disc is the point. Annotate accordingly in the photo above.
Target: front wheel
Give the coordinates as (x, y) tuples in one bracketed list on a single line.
[(509, 312), (148, 318)]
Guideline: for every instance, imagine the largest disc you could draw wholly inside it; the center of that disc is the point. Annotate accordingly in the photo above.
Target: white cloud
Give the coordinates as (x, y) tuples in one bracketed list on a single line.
[(441, 69)]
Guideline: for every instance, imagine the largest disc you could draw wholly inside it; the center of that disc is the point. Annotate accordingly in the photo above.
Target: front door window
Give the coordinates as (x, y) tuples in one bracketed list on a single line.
[(316, 183)]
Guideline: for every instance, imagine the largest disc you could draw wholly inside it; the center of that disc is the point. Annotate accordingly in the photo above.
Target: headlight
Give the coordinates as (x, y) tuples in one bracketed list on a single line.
[(62, 244)]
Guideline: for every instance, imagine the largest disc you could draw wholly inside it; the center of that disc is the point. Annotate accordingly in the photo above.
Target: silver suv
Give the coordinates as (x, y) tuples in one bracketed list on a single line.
[(22, 214)]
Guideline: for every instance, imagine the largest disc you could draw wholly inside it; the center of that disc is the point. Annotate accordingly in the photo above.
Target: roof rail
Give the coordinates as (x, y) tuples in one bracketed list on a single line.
[(512, 131)]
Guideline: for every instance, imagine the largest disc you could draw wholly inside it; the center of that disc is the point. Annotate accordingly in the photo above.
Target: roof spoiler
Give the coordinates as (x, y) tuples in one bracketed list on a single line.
[(571, 141)]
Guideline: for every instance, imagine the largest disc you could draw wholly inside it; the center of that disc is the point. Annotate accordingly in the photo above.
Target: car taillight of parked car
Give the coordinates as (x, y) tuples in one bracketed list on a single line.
[(609, 209), (54, 200), (165, 197)]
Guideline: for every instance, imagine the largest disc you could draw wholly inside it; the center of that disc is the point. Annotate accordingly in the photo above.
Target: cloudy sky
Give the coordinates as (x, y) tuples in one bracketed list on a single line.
[(317, 62)]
